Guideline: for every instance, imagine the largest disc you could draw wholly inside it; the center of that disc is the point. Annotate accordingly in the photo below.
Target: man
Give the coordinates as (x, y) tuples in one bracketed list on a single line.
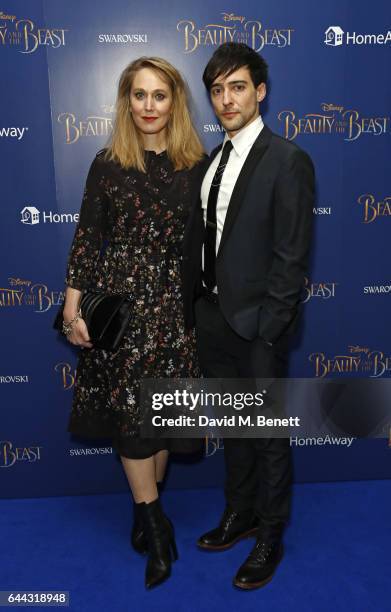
[(251, 238)]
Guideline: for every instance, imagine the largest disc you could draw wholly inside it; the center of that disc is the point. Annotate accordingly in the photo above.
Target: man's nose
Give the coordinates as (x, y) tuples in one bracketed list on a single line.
[(227, 99)]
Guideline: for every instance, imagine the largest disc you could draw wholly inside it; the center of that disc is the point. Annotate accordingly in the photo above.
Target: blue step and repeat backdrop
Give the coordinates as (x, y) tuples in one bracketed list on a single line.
[(330, 91)]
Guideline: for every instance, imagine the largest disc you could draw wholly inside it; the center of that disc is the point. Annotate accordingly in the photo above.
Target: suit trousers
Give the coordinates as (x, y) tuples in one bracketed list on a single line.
[(258, 470)]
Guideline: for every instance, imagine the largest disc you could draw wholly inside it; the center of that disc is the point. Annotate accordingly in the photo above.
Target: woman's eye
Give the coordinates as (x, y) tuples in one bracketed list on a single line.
[(139, 95), (160, 97)]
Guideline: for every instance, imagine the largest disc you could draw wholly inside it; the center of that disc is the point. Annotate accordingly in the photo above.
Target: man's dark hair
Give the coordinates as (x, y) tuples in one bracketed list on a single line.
[(231, 56)]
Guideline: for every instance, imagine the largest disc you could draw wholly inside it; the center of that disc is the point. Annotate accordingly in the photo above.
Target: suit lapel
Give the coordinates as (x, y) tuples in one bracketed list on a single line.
[(197, 205), (196, 208), (253, 158)]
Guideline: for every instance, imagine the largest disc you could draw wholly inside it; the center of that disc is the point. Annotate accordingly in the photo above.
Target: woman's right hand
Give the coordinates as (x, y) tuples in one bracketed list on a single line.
[(79, 335)]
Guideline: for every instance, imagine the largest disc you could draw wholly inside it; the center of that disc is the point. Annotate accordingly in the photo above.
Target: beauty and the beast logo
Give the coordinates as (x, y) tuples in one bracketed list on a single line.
[(373, 208), (357, 360), (26, 37), (67, 373), (233, 28), (333, 120), (26, 293), (322, 290), (10, 454), (93, 125), (212, 445)]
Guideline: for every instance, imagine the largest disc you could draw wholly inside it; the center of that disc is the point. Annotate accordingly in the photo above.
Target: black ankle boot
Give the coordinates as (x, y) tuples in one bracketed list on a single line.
[(138, 539), (161, 544)]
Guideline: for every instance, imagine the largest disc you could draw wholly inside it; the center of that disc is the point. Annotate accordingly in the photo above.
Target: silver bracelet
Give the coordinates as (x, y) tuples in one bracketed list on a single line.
[(67, 327)]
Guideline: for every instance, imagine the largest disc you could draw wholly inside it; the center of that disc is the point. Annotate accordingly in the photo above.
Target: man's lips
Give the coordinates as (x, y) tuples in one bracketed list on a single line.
[(150, 119), (230, 114)]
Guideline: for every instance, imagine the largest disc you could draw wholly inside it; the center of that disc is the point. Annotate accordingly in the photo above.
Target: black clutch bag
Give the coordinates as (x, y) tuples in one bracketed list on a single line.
[(106, 316)]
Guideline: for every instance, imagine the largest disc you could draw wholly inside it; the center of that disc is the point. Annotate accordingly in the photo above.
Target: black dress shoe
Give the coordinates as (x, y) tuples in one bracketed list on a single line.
[(234, 526), (260, 565)]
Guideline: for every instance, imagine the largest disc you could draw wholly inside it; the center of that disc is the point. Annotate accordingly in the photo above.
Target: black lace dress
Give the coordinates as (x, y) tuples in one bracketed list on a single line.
[(129, 240)]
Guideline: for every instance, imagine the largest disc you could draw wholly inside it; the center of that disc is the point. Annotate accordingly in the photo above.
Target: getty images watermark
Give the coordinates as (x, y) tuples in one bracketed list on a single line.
[(282, 408), (185, 399)]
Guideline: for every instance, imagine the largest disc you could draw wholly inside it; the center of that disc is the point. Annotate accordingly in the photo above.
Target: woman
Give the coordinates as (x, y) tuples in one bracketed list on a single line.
[(129, 241)]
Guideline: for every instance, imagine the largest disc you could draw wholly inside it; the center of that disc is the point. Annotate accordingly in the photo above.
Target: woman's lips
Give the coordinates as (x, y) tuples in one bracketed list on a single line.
[(149, 119)]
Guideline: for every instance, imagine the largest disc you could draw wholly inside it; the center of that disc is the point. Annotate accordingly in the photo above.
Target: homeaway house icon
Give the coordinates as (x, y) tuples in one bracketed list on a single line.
[(334, 36), (30, 215)]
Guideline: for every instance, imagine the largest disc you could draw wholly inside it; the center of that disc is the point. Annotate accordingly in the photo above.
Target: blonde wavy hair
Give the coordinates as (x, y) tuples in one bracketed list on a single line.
[(184, 147)]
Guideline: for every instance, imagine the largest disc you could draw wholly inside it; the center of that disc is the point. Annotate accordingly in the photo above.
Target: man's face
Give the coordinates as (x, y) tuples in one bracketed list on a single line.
[(235, 100)]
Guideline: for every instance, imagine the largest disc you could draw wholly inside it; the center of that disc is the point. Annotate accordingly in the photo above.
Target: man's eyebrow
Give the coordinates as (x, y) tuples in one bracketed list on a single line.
[(240, 82)]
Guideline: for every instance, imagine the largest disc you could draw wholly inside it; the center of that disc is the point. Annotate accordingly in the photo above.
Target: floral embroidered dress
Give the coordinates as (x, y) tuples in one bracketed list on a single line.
[(129, 241)]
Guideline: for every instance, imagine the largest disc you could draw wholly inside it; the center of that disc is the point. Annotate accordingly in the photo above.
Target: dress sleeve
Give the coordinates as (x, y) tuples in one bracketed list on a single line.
[(90, 230)]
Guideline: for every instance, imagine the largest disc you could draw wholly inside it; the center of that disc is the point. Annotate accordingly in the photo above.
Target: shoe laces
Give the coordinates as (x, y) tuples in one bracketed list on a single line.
[(260, 552), (228, 518)]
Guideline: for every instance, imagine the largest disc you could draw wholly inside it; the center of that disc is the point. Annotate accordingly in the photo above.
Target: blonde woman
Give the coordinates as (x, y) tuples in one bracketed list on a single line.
[(137, 199)]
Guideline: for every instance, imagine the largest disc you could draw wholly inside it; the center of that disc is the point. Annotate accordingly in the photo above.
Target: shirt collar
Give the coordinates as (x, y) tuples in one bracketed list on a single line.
[(246, 137)]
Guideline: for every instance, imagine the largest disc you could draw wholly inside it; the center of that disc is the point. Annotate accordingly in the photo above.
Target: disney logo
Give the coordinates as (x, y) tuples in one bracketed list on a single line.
[(358, 349), (331, 107), (18, 281), (232, 17)]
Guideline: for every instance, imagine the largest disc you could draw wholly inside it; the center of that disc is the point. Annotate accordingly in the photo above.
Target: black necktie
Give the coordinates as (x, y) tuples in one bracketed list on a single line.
[(211, 224)]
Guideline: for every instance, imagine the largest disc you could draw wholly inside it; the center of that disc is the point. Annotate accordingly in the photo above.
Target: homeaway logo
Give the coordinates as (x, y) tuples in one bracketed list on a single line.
[(325, 441), (13, 132), (30, 216), (335, 37)]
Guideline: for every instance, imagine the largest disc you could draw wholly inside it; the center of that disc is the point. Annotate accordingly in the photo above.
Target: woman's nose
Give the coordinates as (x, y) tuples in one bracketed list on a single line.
[(148, 103)]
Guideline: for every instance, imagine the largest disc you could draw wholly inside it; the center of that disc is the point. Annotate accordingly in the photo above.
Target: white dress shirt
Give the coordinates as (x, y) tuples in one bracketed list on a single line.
[(242, 143)]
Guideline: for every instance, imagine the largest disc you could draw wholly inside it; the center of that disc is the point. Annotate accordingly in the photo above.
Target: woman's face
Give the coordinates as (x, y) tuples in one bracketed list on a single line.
[(150, 102)]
